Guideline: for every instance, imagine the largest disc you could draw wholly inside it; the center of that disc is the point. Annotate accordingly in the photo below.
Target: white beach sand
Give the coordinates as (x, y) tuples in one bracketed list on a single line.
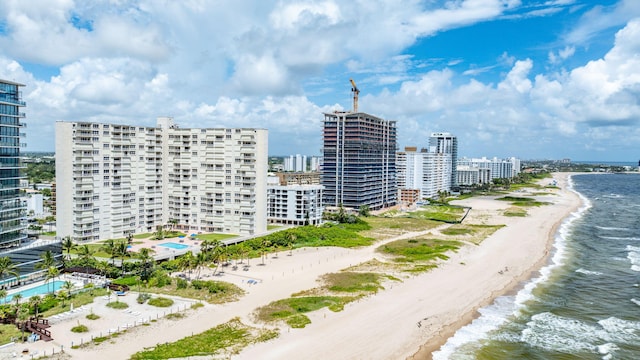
[(415, 315)]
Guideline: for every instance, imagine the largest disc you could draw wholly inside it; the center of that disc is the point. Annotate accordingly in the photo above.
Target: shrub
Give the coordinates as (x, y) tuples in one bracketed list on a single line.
[(181, 283), (160, 302), (160, 279), (93, 316), (117, 305), (142, 297), (79, 329)]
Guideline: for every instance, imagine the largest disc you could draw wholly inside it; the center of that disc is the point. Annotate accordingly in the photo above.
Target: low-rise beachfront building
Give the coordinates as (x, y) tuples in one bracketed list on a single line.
[(298, 178), (468, 175), (498, 168), (114, 180), (294, 204)]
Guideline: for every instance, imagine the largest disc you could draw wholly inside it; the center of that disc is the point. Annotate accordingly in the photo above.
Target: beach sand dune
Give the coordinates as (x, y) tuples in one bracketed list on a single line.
[(416, 315)]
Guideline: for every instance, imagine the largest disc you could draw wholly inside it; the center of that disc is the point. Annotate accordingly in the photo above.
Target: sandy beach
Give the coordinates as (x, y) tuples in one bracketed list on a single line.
[(408, 319)]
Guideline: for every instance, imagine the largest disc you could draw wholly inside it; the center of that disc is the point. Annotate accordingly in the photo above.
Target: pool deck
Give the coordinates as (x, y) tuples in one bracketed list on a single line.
[(164, 252)]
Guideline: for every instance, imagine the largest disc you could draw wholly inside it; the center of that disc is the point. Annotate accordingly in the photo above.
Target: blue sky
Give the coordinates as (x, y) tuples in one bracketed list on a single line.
[(534, 79)]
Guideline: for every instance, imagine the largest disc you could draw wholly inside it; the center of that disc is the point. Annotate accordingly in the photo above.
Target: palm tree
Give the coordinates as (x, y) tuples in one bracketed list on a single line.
[(264, 250), (291, 241), (110, 248), (3, 295), (173, 223), (68, 245), (7, 267), (68, 287), (47, 260), (200, 260), (159, 234), (243, 250), (121, 252), (187, 262), (52, 273), (62, 296), (35, 302), (146, 266), (17, 297), (22, 314), (85, 253)]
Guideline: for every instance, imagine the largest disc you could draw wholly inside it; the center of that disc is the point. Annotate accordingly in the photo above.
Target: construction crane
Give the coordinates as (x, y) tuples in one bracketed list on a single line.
[(355, 92)]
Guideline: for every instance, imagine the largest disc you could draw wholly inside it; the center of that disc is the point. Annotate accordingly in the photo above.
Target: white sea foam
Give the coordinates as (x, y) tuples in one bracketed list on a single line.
[(556, 333), (635, 301), (633, 256), (632, 248), (620, 238), (607, 349), (491, 318), (588, 272), (612, 228), (498, 313), (619, 331), (613, 196)]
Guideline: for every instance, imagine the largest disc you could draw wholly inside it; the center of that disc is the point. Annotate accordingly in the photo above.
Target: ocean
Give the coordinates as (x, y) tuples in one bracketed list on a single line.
[(585, 304)]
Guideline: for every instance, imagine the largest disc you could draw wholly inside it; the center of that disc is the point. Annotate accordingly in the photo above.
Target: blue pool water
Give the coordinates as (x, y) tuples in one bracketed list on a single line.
[(43, 289), (173, 245)]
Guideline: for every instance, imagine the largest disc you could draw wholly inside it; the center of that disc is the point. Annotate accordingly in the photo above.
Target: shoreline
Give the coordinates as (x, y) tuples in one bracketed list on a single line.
[(439, 302), (517, 284)]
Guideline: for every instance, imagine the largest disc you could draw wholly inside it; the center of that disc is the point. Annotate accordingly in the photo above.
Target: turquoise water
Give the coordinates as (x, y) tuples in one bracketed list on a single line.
[(173, 245), (51, 286), (586, 302)]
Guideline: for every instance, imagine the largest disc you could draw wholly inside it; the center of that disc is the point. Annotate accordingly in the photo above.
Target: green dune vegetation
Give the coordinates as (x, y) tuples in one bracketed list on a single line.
[(470, 233), (223, 340), (337, 289), (522, 201), (515, 211)]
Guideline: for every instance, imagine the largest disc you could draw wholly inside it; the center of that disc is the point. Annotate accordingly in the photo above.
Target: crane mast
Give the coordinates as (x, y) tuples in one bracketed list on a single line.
[(355, 91)]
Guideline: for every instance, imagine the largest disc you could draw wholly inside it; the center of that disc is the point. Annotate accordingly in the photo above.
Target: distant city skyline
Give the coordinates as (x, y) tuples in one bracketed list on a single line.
[(540, 79)]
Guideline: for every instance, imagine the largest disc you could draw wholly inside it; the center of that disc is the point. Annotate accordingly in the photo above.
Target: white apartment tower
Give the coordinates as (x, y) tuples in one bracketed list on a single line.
[(113, 180), (426, 171), (297, 163)]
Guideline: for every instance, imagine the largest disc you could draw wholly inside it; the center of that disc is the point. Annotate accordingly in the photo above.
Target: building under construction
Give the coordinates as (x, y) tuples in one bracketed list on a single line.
[(359, 160)]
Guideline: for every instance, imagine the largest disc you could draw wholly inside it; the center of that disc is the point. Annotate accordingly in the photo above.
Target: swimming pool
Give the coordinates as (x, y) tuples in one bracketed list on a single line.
[(51, 286), (173, 245)]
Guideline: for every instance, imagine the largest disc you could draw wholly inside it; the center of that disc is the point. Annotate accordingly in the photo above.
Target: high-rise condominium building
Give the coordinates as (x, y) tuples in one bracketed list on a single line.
[(359, 166), (428, 172), (445, 143), (12, 206), (113, 180), (13, 239), (297, 163)]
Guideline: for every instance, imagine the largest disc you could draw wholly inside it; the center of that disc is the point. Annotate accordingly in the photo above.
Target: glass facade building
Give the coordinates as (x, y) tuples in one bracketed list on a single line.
[(12, 206), (359, 167)]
